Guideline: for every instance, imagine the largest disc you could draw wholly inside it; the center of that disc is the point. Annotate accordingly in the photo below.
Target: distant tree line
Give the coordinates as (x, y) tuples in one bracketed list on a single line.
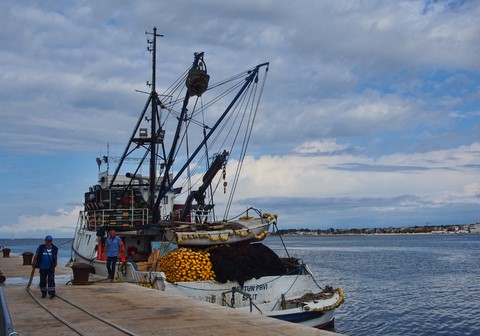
[(393, 230)]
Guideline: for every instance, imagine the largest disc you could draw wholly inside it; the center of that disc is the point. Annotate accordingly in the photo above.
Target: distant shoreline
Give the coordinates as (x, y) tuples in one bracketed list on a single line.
[(373, 234), (409, 230)]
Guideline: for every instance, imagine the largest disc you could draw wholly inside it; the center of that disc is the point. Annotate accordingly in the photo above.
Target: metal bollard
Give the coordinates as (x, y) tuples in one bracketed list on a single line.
[(27, 258), (6, 252)]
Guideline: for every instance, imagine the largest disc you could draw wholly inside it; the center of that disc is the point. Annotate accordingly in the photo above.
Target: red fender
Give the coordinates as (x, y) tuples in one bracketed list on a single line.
[(122, 253), (101, 251)]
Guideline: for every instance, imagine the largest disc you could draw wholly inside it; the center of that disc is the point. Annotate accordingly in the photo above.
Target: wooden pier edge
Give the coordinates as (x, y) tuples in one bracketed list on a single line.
[(142, 310)]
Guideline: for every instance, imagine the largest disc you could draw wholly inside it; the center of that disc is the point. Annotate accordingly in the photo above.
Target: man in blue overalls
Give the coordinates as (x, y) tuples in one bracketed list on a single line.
[(46, 260)]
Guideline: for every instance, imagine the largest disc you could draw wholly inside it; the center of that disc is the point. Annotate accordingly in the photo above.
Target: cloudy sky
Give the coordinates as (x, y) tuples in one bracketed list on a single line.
[(370, 116)]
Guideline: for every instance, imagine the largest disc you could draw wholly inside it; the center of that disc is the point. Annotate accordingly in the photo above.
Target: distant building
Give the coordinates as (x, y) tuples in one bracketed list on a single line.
[(474, 228)]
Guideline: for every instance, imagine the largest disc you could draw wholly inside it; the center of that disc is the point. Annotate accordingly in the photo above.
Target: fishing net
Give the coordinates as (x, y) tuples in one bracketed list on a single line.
[(242, 262)]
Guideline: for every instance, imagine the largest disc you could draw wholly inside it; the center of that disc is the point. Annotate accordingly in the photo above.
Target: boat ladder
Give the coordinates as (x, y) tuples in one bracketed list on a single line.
[(232, 299)]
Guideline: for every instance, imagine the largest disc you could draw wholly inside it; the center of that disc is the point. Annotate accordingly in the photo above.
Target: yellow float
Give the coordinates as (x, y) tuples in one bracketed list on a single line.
[(185, 264)]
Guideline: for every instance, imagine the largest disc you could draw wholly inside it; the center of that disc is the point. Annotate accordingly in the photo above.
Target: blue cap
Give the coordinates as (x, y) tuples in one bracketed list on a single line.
[(48, 238)]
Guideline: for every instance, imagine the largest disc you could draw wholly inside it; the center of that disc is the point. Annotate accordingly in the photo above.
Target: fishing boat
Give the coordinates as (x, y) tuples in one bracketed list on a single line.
[(159, 198)]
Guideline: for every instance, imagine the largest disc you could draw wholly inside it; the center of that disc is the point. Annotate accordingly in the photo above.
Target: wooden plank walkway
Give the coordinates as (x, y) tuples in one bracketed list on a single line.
[(137, 309)]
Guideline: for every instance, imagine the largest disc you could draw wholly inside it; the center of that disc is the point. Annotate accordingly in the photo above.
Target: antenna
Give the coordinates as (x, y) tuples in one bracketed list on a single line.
[(105, 159), (153, 48)]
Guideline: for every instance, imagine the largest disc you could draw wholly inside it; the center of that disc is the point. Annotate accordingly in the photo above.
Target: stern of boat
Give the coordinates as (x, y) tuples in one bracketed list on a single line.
[(85, 241)]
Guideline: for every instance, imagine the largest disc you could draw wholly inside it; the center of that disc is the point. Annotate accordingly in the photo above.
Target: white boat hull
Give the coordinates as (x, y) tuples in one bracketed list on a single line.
[(258, 296)]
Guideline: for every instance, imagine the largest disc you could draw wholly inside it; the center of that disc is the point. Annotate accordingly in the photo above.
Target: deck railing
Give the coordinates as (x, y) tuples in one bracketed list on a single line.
[(116, 217)]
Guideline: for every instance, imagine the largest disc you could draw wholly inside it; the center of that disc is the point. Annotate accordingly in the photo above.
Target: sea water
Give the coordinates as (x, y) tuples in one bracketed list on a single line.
[(19, 246), (397, 285), (394, 285)]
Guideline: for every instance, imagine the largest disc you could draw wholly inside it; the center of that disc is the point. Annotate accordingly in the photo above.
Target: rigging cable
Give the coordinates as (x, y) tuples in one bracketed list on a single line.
[(215, 136), (241, 156), (249, 131)]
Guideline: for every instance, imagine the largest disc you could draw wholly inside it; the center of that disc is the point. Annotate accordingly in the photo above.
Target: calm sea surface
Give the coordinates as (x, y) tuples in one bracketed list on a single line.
[(394, 285), (398, 285), (18, 246)]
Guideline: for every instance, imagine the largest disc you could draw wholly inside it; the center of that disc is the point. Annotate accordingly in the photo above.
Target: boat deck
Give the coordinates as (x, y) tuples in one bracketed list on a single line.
[(135, 309)]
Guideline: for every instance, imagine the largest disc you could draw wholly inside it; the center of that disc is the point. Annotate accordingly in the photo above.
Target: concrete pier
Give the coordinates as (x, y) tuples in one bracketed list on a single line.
[(140, 310)]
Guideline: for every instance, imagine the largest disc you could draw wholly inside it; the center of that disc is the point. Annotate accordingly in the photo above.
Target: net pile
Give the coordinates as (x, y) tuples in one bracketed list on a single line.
[(242, 262)]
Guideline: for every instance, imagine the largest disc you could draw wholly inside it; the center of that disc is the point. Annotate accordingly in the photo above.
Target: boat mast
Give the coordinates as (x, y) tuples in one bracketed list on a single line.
[(153, 129), (154, 138)]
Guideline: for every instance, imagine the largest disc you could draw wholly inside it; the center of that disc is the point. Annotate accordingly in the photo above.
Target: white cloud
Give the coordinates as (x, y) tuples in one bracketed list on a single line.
[(423, 174), (325, 146), (59, 224)]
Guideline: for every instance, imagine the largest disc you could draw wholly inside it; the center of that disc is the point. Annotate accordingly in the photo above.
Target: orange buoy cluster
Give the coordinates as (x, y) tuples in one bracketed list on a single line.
[(184, 264)]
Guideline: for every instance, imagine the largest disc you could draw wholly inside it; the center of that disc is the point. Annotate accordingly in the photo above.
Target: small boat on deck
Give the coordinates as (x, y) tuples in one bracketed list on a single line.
[(160, 201)]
